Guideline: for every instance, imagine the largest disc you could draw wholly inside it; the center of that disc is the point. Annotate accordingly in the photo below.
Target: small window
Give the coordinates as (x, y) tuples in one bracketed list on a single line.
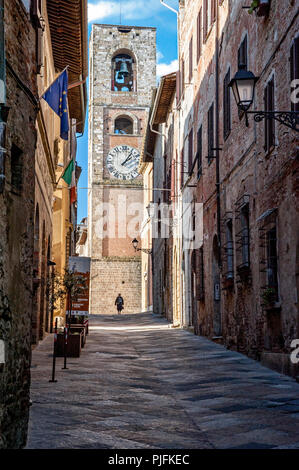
[(243, 54), (245, 236), (190, 152), (294, 65), (182, 81), (229, 249), (210, 133), (226, 106), (123, 125), (16, 168), (209, 16), (190, 59), (199, 20), (123, 73), (269, 123), (182, 167), (199, 152)]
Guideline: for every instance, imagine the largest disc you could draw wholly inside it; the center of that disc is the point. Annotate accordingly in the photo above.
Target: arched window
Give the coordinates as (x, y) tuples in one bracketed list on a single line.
[(123, 73), (123, 125)]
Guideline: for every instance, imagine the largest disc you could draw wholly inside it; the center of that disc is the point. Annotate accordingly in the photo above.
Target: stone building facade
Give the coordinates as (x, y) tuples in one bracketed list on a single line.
[(55, 214), (240, 286), (17, 217), (122, 77), (29, 151)]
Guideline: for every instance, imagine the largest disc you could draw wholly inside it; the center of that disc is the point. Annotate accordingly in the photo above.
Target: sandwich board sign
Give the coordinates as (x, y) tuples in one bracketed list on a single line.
[(80, 265)]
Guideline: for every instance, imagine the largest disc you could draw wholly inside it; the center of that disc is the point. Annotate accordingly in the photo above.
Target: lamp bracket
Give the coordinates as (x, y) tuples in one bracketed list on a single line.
[(287, 118), (145, 250)]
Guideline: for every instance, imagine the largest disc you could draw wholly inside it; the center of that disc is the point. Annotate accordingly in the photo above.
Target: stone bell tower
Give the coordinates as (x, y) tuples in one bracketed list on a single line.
[(122, 77)]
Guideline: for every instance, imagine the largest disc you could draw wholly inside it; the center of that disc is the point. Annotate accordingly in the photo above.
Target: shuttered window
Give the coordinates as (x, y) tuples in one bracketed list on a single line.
[(210, 133), (226, 106), (269, 123), (209, 16), (182, 168), (294, 64), (190, 151), (190, 59), (243, 54), (199, 20), (182, 87), (213, 11), (199, 152)]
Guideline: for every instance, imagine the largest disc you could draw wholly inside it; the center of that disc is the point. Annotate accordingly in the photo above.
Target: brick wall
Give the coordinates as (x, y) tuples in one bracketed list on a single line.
[(266, 178)]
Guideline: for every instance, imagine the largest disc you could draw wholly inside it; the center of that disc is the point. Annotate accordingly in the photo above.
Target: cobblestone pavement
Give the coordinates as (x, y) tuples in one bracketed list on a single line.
[(141, 384)]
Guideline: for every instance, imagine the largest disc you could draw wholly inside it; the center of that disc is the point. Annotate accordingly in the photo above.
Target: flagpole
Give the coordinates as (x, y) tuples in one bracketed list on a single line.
[(44, 92)]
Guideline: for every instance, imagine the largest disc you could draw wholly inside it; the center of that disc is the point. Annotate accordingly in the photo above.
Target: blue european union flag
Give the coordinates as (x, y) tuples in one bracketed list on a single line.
[(56, 97)]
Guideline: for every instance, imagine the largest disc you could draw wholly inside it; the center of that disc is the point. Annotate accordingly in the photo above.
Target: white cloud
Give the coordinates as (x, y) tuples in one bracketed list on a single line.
[(100, 10), (159, 56), (165, 69), (131, 9)]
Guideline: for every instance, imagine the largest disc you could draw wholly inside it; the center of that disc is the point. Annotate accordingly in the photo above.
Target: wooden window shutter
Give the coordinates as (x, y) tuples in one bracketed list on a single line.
[(182, 168), (172, 194), (205, 19), (199, 34), (271, 108), (269, 123), (265, 122), (39, 49), (294, 64), (243, 54), (190, 151), (199, 152), (226, 106), (190, 59), (182, 80), (210, 132), (213, 10)]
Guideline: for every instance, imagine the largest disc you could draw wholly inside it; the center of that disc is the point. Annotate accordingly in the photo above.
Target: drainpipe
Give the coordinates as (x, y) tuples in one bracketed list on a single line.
[(3, 109), (169, 7), (217, 138)]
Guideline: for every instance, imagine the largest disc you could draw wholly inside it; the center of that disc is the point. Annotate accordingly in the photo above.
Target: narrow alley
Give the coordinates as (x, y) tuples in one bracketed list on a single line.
[(141, 384)]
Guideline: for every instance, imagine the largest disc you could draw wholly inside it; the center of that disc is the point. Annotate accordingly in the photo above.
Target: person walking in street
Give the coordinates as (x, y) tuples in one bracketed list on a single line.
[(119, 302)]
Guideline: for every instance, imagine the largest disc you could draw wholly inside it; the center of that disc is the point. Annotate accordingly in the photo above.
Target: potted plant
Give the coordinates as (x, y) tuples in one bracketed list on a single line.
[(261, 7)]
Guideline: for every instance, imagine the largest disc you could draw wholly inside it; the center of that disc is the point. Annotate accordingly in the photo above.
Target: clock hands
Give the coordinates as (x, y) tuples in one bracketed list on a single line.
[(128, 158)]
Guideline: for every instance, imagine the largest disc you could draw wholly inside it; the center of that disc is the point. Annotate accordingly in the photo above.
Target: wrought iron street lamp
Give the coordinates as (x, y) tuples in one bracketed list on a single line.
[(243, 86), (145, 250)]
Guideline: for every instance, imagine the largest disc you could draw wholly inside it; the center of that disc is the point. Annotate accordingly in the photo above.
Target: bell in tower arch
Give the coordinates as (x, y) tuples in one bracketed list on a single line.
[(123, 71)]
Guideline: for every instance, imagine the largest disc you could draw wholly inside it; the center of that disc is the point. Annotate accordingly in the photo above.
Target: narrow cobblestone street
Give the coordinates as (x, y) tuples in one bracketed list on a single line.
[(141, 384)]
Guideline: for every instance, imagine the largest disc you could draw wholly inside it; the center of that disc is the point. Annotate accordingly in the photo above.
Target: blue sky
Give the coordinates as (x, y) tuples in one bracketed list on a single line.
[(133, 13)]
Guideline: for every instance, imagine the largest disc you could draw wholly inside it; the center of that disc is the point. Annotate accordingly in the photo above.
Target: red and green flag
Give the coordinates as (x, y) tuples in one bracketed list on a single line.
[(70, 178)]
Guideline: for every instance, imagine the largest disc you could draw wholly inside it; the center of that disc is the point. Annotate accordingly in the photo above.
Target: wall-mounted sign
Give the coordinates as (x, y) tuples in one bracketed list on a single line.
[(217, 291)]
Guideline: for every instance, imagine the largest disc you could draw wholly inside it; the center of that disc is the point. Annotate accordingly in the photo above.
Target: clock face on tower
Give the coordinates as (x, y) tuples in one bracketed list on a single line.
[(122, 162)]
